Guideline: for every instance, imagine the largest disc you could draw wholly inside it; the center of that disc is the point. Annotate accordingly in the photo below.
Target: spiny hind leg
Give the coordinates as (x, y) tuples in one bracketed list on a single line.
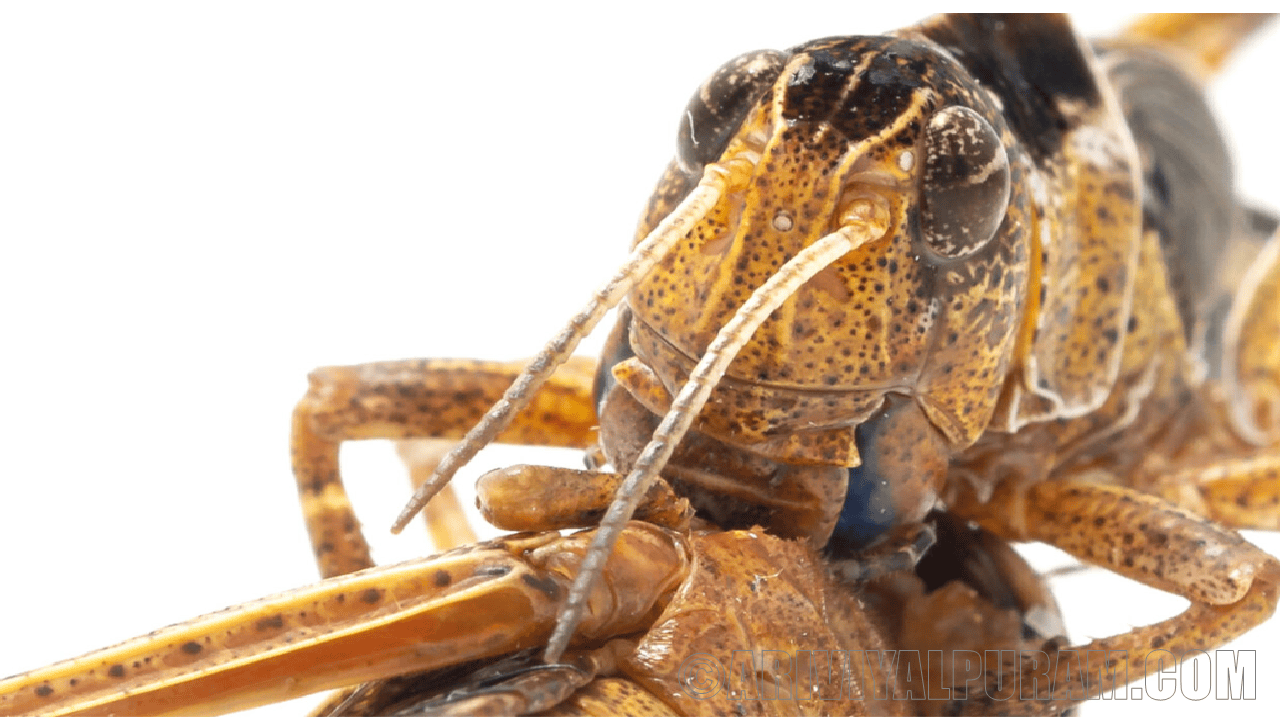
[(414, 398), (1232, 584)]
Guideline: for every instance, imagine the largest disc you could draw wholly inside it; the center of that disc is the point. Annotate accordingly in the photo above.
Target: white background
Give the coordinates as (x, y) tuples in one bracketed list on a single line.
[(199, 204)]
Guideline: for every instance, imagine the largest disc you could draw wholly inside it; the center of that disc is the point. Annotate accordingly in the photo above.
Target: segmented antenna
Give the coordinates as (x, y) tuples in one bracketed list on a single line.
[(715, 361), (653, 248)]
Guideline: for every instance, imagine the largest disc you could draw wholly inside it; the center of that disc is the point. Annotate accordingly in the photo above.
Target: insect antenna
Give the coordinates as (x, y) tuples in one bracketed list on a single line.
[(715, 361), (715, 180)]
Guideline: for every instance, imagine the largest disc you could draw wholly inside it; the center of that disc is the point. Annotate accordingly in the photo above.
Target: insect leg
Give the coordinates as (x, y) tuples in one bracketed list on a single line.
[(1232, 585), (531, 498), (1140, 536), (1048, 682), (388, 621), (414, 398), (448, 528)]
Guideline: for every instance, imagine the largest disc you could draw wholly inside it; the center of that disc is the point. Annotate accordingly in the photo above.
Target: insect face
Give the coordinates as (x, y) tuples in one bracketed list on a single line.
[(868, 324), (902, 337)]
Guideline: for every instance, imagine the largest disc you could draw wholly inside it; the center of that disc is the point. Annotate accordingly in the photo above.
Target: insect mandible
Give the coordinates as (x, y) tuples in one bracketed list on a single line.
[(231, 369)]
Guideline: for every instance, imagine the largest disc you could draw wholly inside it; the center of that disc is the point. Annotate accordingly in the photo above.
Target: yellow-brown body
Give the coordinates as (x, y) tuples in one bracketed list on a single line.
[(991, 465), (1078, 337)]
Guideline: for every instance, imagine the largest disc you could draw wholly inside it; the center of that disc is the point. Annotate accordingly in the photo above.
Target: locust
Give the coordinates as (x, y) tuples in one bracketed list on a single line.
[(813, 33), (973, 262)]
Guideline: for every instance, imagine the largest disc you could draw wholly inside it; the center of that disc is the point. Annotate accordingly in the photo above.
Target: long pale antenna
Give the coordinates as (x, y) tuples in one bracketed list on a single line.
[(653, 248), (715, 361)]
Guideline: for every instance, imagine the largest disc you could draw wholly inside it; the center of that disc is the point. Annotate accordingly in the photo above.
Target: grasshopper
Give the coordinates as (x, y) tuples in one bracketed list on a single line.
[(255, 547)]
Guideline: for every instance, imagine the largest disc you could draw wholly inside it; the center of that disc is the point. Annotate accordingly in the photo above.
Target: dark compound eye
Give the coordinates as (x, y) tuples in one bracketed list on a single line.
[(965, 184), (716, 111)]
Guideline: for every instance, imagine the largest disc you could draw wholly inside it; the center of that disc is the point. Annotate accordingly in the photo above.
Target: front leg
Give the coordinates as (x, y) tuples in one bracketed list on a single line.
[(407, 399), (1232, 585)]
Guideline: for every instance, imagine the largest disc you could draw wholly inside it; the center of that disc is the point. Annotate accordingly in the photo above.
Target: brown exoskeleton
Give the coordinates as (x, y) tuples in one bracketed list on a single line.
[(675, 622), (752, 590), (195, 527), (973, 263)]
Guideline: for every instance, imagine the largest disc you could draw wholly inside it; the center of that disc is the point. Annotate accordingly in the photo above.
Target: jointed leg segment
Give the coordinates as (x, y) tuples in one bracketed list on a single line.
[(439, 399), (1232, 585)]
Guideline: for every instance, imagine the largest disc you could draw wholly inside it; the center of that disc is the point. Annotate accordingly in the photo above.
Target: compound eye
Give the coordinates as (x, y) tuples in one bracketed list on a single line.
[(718, 108), (965, 185)]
